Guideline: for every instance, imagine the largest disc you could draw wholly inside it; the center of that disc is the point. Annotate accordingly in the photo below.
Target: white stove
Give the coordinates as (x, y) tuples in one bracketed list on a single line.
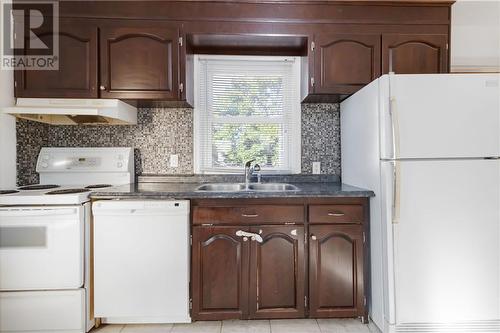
[(62, 195), (45, 239), (68, 175)]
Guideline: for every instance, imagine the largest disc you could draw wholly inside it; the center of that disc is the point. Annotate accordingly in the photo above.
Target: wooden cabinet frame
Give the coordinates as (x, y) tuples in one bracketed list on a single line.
[(434, 46), (292, 235), (358, 22), (337, 56), (281, 305), (162, 35), (63, 83), (352, 297), (220, 307)]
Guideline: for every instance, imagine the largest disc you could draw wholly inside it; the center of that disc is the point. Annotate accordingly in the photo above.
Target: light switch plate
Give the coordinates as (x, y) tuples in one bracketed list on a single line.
[(316, 168), (174, 161)]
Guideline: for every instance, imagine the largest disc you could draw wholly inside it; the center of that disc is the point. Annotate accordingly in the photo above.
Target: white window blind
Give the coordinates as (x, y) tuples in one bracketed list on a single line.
[(247, 108)]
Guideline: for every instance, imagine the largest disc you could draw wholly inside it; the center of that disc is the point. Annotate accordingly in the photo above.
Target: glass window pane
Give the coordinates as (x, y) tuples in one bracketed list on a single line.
[(233, 144), (234, 95)]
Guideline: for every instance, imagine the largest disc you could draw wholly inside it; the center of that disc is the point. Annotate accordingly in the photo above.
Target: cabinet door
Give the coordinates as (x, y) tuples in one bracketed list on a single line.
[(345, 62), (277, 273), (140, 61), (414, 54), (77, 73), (336, 271), (219, 274)]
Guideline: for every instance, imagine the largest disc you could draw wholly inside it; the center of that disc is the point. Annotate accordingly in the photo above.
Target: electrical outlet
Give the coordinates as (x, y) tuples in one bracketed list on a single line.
[(174, 161), (316, 168)]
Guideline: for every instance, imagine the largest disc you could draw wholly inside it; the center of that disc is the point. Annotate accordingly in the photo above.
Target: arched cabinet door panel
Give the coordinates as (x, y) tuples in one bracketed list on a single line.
[(219, 273), (76, 75), (336, 271), (140, 61), (414, 54), (344, 63), (277, 272)]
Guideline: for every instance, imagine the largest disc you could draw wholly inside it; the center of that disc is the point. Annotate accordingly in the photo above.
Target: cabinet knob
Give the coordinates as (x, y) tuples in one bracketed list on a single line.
[(313, 237), (102, 87)]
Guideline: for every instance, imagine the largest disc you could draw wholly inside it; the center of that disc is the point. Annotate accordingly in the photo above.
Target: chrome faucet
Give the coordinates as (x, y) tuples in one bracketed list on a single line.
[(256, 168), (248, 172)]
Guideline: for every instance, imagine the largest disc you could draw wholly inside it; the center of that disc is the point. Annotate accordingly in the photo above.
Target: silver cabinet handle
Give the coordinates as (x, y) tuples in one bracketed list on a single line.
[(102, 87), (250, 215), (253, 236), (313, 237), (336, 214)]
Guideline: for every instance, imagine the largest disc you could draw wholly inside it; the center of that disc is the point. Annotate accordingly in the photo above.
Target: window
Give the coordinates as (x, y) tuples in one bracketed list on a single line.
[(247, 108)]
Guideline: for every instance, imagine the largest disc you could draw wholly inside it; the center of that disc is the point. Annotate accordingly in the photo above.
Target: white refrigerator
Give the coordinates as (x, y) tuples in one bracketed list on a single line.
[(429, 147)]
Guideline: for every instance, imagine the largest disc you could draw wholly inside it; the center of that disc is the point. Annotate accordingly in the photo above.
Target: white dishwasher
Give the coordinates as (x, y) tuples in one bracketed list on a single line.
[(141, 261)]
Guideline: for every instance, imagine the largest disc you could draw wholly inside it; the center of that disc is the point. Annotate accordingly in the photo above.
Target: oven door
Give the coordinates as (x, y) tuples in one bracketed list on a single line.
[(41, 247)]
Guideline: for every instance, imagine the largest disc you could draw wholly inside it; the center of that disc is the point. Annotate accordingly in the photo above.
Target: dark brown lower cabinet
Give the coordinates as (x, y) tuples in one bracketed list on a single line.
[(277, 273), (219, 274), (336, 286), (236, 277), (280, 258)]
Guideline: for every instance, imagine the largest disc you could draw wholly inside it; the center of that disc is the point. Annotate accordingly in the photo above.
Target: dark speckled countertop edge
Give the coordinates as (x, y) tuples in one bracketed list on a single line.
[(188, 190)]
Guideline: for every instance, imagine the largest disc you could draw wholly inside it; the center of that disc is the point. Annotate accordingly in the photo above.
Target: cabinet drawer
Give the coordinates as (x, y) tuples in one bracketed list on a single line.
[(249, 214), (335, 214)]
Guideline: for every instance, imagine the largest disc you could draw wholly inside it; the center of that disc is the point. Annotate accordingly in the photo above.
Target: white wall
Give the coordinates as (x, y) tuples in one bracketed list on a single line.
[(475, 36), (7, 132)]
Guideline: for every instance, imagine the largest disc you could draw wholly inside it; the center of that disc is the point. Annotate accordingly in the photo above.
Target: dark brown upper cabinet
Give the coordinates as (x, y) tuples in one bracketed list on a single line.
[(277, 273), (336, 271), (219, 273), (134, 51), (77, 73), (345, 62), (414, 53), (140, 60)]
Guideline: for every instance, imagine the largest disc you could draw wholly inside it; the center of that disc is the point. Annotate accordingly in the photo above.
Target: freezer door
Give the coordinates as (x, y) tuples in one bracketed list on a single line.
[(446, 242), (440, 116)]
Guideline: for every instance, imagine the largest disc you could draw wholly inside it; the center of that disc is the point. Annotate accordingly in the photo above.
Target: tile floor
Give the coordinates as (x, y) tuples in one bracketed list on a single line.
[(248, 326)]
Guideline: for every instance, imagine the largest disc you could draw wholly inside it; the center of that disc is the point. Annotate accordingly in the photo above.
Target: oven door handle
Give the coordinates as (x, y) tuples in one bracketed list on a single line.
[(20, 212)]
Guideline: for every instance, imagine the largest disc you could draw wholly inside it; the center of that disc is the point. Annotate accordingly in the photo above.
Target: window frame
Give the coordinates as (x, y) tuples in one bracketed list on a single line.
[(292, 153)]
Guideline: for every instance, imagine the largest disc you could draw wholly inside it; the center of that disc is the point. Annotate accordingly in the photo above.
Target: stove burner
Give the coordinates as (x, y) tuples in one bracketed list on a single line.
[(98, 186), (8, 191), (38, 187), (68, 191)]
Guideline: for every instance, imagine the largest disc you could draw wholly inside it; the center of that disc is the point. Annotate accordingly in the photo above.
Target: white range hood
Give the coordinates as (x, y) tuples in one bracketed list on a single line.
[(72, 111)]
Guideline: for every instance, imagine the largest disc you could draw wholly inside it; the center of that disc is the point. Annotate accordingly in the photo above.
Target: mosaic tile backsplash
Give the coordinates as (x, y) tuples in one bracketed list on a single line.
[(321, 137), (161, 132)]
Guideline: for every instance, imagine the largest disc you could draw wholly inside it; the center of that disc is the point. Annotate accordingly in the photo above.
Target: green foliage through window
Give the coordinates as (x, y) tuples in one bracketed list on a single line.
[(250, 99)]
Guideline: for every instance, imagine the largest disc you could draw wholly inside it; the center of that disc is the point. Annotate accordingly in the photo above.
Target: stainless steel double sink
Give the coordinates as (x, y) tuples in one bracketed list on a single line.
[(239, 187)]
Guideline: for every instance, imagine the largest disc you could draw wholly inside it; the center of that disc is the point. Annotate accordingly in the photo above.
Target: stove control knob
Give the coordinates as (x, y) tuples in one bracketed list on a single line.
[(45, 157), (45, 165), (119, 164)]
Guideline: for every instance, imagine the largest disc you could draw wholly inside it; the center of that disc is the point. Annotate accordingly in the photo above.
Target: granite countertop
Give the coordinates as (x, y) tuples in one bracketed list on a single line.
[(182, 187)]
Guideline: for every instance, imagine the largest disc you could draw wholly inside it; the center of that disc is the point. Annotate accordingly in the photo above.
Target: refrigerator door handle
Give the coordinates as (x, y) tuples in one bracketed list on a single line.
[(396, 191), (394, 128)]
